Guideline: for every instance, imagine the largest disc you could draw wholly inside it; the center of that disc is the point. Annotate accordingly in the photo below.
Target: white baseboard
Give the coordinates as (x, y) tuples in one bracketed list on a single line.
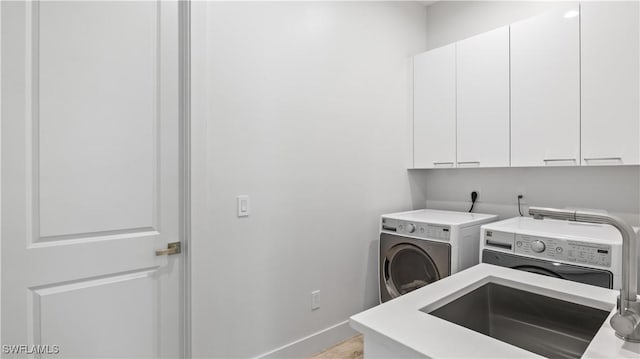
[(314, 343)]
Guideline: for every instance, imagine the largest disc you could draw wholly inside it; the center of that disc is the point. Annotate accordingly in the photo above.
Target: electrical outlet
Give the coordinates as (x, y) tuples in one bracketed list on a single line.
[(522, 204), (523, 199), (315, 300)]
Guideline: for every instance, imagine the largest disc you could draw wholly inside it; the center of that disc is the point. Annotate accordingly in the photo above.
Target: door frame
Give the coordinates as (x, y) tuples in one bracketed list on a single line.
[(1, 121), (184, 49), (184, 92)]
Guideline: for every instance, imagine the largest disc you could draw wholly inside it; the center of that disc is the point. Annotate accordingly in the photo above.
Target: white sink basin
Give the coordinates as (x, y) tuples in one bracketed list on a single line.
[(544, 325)]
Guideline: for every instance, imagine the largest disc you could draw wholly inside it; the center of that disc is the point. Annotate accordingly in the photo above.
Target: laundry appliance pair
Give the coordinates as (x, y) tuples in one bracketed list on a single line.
[(420, 247)]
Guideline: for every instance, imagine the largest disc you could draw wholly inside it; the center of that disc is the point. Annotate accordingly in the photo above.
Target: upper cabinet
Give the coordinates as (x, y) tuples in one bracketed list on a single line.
[(483, 100), (610, 86), (545, 89), (558, 89), (434, 116)]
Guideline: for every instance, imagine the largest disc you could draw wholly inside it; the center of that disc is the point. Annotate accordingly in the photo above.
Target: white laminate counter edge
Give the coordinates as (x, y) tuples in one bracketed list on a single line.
[(401, 321)]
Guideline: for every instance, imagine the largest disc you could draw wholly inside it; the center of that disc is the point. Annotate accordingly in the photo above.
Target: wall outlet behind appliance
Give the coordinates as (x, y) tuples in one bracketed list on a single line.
[(470, 196), (523, 198)]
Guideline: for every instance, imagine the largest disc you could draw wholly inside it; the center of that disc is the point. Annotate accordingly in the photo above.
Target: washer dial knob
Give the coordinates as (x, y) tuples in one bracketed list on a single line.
[(537, 246), (411, 228)]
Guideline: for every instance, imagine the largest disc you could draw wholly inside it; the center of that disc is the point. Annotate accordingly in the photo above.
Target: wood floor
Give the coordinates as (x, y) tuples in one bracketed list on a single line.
[(349, 349)]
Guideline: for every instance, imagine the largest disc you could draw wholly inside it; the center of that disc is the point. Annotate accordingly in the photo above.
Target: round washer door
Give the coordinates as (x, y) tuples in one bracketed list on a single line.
[(407, 268)]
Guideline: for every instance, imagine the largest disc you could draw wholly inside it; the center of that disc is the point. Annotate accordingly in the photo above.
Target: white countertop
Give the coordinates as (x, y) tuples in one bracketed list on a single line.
[(555, 228), (448, 218), (401, 321)]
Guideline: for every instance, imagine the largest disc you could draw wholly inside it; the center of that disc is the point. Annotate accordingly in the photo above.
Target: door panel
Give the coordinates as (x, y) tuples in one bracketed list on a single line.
[(482, 74), (610, 69), (61, 316), (434, 117), (95, 118), (90, 178), (545, 89)]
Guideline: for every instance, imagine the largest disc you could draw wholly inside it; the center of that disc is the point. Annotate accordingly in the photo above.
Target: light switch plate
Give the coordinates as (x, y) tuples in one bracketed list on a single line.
[(315, 300), (243, 206)]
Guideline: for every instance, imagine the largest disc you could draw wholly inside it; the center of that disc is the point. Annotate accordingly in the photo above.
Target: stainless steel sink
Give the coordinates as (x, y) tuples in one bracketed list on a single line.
[(543, 325)]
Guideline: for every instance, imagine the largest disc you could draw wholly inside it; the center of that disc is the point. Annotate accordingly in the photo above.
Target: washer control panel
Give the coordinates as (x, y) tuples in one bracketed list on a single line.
[(416, 229), (565, 250)]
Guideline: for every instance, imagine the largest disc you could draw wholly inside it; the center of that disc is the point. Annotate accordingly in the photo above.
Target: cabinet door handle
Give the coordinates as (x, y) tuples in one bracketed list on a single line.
[(603, 159), (551, 160), (469, 163), (443, 163)]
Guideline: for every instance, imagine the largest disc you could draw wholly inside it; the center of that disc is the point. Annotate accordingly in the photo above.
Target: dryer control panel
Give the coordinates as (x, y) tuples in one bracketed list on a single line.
[(565, 250), (416, 229)]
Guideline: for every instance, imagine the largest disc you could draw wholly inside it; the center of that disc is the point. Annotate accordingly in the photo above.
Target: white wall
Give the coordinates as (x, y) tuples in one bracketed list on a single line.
[(307, 108), (615, 189)]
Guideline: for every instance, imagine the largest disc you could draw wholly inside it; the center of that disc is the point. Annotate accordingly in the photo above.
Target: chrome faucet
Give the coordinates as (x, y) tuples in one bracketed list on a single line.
[(626, 322)]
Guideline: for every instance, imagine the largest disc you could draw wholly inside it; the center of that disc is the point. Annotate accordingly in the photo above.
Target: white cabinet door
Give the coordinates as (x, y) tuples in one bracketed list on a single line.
[(90, 179), (434, 116), (483, 100), (545, 89), (610, 115)]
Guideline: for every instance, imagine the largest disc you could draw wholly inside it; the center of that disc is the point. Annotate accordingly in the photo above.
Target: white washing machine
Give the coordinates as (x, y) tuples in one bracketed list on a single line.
[(581, 252), (420, 247)]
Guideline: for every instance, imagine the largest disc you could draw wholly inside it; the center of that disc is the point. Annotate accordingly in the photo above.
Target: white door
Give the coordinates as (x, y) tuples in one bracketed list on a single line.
[(90, 179), (545, 89), (434, 115), (610, 82), (483, 99)]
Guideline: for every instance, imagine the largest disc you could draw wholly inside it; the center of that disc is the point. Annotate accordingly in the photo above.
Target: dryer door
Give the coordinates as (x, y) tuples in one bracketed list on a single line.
[(407, 268)]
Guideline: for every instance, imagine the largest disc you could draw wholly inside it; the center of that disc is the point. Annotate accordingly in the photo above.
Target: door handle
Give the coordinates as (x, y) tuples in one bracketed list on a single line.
[(556, 160), (442, 164), (468, 163), (603, 159), (172, 248)]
